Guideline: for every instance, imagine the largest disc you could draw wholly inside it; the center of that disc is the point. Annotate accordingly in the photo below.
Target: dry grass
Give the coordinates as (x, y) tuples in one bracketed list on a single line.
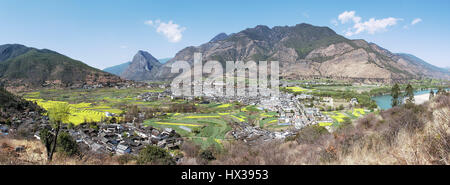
[(35, 154), (418, 135), (412, 134)]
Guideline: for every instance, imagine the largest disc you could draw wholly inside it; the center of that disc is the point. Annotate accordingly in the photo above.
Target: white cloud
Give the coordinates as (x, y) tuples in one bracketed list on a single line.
[(173, 32), (416, 20), (374, 25), (371, 26), (347, 16)]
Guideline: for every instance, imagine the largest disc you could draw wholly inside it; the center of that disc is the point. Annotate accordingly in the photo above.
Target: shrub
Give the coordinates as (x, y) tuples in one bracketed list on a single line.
[(66, 144), (155, 155), (310, 134), (328, 155), (207, 155), (367, 122), (124, 159)]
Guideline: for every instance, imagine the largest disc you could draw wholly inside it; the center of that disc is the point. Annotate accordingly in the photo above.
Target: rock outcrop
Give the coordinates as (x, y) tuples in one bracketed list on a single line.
[(142, 67)]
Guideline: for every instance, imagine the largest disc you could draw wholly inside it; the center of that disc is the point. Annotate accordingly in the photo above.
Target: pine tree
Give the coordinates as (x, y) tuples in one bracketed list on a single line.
[(440, 91), (409, 93), (431, 94), (395, 93)]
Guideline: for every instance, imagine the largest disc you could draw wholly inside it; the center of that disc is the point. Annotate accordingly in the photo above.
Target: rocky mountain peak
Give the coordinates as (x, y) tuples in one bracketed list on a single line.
[(144, 61), (219, 37), (141, 66)]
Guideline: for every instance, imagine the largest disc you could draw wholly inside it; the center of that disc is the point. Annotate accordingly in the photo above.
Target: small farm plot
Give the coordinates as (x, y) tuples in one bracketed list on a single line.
[(339, 117), (203, 129), (296, 89)]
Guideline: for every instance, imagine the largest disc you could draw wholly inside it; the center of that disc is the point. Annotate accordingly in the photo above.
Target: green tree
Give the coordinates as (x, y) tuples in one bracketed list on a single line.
[(207, 154), (440, 91), (155, 155), (409, 93), (431, 94), (46, 139), (395, 93), (58, 114), (66, 144)]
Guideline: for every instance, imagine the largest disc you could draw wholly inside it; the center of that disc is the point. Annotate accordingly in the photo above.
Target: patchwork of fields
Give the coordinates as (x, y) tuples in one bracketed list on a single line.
[(208, 126), (340, 116), (211, 128)]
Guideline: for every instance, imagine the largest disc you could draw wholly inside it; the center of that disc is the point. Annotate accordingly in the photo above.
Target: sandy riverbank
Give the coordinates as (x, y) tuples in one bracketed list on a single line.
[(419, 99)]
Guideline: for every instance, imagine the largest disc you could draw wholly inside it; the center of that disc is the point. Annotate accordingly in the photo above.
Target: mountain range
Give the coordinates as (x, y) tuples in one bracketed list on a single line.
[(303, 50), (306, 51), (27, 67)]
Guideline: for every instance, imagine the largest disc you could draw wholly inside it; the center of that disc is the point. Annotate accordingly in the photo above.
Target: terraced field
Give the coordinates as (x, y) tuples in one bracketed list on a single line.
[(79, 113), (91, 105), (117, 99), (204, 129), (296, 89), (211, 128), (338, 117), (208, 126)]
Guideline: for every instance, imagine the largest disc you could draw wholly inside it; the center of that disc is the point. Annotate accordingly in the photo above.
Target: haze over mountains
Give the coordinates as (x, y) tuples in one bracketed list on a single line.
[(306, 51)]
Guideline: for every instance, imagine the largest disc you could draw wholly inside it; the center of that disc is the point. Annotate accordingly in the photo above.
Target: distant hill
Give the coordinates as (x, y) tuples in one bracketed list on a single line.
[(28, 67), (118, 69), (424, 67), (163, 60)]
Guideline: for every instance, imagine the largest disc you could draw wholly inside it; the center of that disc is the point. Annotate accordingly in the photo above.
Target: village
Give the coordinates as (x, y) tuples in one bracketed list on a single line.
[(295, 111), (121, 139)]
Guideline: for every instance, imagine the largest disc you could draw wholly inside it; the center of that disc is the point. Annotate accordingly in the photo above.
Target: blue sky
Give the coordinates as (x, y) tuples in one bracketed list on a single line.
[(104, 33)]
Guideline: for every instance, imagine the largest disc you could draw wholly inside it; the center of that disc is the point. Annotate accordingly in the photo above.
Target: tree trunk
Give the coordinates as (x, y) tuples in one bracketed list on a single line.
[(50, 157), (48, 146)]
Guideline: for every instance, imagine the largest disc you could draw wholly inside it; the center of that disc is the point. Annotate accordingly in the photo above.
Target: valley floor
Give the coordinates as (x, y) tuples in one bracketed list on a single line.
[(308, 125)]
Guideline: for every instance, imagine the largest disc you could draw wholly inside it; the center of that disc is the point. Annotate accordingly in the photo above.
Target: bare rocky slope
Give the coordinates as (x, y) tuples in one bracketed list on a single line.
[(306, 51)]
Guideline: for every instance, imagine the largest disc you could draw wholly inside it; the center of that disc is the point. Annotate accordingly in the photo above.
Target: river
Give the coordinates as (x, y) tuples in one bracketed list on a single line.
[(384, 101)]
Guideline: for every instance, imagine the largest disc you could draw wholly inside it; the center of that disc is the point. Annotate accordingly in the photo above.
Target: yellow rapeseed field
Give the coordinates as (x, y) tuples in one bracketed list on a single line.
[(224, 105), (296, 89), (79, 113)]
